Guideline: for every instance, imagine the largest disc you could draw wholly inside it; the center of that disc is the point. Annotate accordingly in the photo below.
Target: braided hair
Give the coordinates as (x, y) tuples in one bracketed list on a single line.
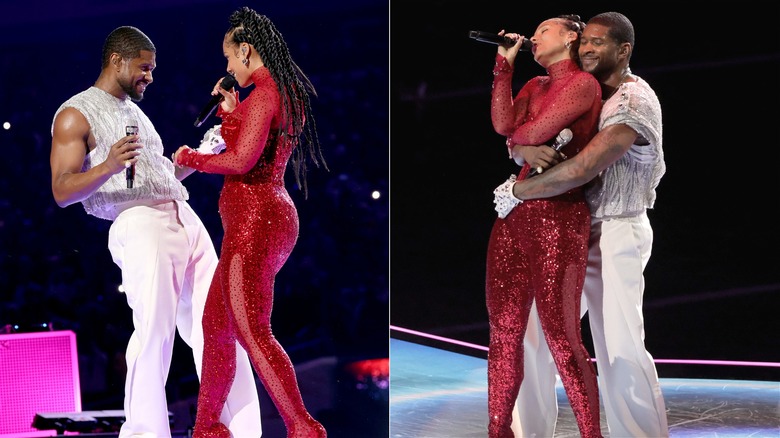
[(574, 23), (294, 86), (127, 41)]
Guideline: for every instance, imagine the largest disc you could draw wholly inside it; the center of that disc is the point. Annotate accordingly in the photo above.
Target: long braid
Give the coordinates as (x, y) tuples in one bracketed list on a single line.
[(294, 86)]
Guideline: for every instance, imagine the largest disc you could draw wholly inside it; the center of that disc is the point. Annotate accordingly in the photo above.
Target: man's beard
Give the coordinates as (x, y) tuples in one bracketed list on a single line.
[(129, 89), (600, 71)]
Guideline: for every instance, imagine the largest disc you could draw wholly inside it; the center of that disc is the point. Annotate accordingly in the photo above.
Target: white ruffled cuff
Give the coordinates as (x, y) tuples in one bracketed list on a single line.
[(504, 199), (212, 142)]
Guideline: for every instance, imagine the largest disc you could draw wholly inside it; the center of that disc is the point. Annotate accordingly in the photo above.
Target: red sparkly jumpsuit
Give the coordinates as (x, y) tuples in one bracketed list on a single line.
[(260, 230), (539, 251)]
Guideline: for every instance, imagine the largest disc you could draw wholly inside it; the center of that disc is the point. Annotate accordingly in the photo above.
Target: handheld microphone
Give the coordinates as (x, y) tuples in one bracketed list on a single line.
[(493, 38), (227, 83), (130, 129), (562, 139)]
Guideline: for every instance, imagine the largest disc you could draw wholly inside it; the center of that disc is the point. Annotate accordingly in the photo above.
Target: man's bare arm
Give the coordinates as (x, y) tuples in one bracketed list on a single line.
[(69, 146), (604, 149)]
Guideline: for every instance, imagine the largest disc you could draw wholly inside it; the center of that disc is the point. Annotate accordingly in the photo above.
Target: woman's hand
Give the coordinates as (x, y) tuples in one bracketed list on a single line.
[(540, 158), (175, 156), (230, 97), (510, 52)]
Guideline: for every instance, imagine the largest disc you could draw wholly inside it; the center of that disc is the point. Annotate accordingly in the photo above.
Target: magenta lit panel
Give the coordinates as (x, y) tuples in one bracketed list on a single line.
[(39, 372)]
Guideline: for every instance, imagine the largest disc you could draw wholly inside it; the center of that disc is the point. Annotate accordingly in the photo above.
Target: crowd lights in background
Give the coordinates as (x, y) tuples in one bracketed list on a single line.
[(375, 194), (6, 125)]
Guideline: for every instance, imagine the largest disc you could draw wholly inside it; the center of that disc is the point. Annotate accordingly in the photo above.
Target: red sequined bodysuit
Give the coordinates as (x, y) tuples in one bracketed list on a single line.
[(260, 230), (538, 253)]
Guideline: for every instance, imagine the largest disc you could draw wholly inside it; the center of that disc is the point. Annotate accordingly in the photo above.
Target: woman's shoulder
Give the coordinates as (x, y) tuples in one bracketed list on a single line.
[(586, 77), (587, 81)]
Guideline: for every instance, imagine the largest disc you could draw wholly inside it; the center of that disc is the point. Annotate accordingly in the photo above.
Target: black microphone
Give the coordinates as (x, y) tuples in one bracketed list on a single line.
[(494, 38), (227, 83), (130, 129), (563, 138)]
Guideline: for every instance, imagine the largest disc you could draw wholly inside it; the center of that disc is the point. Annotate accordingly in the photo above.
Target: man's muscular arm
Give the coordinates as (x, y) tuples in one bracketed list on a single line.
[(605, 148), (69, 146)]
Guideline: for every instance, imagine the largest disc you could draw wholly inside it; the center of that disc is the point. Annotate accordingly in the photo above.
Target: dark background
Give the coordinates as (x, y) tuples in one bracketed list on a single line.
[(712, 282), (331, 299)]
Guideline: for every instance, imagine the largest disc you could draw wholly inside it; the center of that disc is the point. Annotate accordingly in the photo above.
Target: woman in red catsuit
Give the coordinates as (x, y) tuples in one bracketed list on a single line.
[(538, 252), (259, 219)]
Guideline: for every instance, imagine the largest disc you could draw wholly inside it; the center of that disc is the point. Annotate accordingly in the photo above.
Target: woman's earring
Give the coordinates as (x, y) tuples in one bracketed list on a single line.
[(245, 60), (568, 44)]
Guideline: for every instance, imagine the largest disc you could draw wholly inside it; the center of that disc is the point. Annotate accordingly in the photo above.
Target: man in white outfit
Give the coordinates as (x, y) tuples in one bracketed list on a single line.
[(165, 253), (623, 165)]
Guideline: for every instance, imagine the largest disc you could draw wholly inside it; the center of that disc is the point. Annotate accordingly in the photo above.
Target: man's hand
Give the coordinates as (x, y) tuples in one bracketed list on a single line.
[(123, 154)]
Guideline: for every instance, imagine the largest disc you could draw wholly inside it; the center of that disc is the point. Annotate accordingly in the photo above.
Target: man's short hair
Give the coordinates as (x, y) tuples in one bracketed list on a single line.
[(127, 41), (620, 28)]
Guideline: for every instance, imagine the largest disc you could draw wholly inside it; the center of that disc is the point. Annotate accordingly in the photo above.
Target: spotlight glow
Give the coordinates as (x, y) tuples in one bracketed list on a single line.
[(6, 125), (375, 194)]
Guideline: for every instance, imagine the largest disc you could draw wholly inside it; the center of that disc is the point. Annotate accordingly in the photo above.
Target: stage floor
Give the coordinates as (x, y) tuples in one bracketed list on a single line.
[(438, 393)]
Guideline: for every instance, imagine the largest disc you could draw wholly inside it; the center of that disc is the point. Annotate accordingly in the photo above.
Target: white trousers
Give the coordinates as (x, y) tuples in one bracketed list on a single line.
[(167, 260), (613, 291)]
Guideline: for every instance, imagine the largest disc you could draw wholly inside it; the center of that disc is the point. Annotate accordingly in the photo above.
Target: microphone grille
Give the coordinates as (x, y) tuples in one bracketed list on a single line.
[(565, 136), (228, 82), (131, 127)]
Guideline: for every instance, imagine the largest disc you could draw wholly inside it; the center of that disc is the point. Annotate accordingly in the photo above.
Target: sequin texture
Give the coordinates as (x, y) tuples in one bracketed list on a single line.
[(260, 225), (539, 251), (627, 187)]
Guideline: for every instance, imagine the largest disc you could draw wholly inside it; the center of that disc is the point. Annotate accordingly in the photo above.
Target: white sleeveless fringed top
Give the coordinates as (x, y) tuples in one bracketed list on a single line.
[(154, 174)]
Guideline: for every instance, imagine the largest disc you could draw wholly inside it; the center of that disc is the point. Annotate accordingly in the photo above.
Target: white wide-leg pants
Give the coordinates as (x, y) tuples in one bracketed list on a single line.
[(613, 294), (167, 260)]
